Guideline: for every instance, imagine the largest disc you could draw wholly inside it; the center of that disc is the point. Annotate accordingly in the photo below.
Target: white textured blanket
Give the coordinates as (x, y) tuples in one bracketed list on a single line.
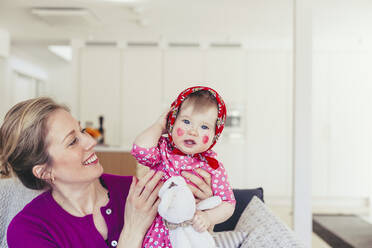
[(13, 197)]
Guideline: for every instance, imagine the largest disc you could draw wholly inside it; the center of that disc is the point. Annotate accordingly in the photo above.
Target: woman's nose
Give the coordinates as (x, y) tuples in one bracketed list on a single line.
[(88, 142)]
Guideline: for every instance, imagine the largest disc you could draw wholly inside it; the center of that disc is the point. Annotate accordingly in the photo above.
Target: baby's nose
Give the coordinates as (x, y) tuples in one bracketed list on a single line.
[(193, 132)]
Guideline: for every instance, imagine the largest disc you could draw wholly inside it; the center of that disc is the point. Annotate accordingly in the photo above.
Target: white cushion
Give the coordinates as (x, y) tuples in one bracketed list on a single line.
[(264, 229), (14, 196), (229, 239)]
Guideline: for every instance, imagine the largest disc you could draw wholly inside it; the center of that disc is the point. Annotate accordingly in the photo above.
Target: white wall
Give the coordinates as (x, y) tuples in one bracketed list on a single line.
[(342, 121), (18, 81), (62, 88), (4, 68), (4, 87), (4, 43)]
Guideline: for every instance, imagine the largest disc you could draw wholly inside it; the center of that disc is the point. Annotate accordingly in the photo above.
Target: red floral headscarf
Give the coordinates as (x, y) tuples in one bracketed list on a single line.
[(221, 117)]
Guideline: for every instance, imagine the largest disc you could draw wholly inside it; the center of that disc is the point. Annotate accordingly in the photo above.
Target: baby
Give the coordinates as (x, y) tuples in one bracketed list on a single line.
[(194, 123)]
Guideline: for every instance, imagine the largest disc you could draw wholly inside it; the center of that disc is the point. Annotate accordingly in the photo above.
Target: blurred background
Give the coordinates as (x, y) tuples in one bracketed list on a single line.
[(128, 60)]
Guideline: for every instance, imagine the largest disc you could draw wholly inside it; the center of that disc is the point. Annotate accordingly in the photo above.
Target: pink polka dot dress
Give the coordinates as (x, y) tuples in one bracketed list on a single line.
[(161, 158)]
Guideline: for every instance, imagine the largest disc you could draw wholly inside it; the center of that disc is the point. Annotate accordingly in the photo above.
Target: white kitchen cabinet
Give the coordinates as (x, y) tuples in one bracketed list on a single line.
[(141, 91), (224, 71), (100, 89), (183, 68)]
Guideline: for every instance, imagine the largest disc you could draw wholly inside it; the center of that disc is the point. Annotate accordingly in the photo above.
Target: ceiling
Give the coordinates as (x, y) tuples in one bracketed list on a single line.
[(177, 21), (219, 20)]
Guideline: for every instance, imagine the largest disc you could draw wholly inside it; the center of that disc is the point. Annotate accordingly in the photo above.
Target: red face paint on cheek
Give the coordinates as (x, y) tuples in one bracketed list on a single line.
[(205, 139), (180, 132)]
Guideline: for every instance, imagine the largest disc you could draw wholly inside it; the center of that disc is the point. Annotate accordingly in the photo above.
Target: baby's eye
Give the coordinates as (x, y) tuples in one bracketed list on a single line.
[(205, 127), (186, 121), (83, 130)]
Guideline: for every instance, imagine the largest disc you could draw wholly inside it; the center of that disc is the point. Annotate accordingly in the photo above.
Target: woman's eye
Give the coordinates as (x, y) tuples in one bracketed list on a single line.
[(204, 127), (74, 141), (83, 130), (186, 121)]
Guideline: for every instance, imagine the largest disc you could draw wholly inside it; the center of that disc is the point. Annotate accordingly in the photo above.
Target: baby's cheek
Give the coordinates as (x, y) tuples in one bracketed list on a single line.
[(205, 139), (180, 132)]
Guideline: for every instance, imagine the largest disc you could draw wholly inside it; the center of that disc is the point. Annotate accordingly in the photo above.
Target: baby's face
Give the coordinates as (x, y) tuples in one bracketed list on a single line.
[(193, 131)]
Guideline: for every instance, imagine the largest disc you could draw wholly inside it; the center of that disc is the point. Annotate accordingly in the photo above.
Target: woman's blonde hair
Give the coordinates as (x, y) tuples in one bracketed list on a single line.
[(23, 139)]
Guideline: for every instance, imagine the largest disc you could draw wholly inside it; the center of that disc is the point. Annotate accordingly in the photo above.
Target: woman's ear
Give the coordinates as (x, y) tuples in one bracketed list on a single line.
[(39, 171)]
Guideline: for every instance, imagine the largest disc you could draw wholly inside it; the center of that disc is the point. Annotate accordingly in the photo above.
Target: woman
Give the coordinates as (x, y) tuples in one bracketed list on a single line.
[(47, 149)]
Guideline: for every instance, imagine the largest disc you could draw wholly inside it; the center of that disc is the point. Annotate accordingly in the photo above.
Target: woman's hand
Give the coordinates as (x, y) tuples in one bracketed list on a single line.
[(140, 208), (201, 221), (204, 188)]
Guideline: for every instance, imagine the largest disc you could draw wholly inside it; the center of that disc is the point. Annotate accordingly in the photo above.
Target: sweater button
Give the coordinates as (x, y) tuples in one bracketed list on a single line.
[(114, 243), (108, 211)]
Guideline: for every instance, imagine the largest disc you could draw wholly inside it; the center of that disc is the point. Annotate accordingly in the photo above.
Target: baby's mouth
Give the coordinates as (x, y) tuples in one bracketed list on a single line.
[(189, 143)]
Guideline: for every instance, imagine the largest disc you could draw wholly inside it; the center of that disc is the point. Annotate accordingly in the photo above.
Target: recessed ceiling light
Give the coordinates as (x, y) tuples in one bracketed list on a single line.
[(62, 51), (121, 1)]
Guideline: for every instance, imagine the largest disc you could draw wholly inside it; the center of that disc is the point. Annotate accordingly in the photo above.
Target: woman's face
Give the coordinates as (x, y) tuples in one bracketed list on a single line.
[(71, 150)]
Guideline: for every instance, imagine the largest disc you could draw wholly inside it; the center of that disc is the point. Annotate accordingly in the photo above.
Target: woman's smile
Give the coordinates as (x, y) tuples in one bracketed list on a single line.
[(91, 160)]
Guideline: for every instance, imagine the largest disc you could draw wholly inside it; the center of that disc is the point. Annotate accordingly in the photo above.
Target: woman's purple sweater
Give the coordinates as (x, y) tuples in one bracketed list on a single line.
[(43, 223)]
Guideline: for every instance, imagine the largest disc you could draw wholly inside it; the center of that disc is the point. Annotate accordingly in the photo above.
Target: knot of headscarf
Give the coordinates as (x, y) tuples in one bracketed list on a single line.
[(220, 123)]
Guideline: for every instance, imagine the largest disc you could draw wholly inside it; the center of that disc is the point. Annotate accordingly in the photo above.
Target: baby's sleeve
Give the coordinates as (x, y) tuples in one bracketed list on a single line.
[(221, 186), (147, 156)]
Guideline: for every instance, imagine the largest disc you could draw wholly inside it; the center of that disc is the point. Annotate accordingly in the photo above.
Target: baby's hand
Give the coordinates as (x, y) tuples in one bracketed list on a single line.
[(162, 121), (200, 222)]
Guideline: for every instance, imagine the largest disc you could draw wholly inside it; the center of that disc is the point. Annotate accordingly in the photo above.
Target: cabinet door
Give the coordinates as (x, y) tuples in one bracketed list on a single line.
[(224, 71), (141, 91), (183, 67), (100, 90)]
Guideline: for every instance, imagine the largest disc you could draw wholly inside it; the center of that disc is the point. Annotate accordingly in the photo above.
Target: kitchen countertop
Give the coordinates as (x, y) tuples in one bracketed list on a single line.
[(107, 148)]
